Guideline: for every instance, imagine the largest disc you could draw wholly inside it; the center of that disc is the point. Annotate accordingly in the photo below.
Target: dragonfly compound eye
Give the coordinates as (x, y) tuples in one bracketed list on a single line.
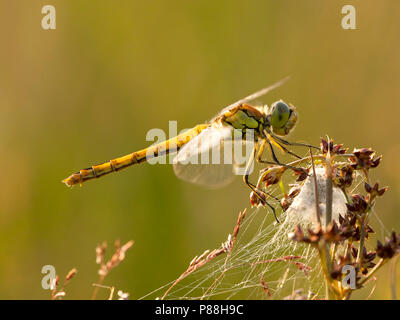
[(283, 117)]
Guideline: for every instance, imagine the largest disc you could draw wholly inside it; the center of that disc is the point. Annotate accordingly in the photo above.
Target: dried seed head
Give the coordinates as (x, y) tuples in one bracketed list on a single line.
[(301, 174), (204, 254), (364, 159), (100, 251), (71, 274), (288, 199), (227, 245), (116, 259), (374, 191), (299, 236), (390, 248), (59, 295), (272, 175), (332, 148), (123, 295), (54, 283), (344, 177), (264, 286), (333, 233), (257, 198), (117, 244), (359, 205)]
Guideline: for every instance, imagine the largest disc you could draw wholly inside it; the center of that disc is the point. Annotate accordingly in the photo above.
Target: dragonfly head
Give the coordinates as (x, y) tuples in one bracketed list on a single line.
[(282, 117)]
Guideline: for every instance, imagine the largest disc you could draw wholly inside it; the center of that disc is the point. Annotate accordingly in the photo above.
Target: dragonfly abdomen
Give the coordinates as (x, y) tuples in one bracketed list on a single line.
[(169, 146)]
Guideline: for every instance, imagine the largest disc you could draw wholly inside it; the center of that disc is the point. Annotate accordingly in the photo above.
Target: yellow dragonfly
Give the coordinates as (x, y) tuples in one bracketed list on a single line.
[(267, 126)]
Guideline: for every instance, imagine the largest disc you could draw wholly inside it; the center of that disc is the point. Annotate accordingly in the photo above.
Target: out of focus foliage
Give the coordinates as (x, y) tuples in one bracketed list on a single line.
[(91, 89)]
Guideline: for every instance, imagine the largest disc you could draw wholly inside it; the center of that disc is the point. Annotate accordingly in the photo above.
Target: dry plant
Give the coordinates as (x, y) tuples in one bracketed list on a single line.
[(207, 256), (336, 237), (330, 244), (226, 248), (342, 245), (106, 266), (60, 293), (121, 295)]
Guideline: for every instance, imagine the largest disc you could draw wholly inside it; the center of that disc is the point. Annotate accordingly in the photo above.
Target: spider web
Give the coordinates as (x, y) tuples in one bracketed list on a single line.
[(263, 263)]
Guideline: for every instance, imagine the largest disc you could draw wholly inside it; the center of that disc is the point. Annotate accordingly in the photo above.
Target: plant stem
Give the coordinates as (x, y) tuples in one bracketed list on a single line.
[(333, 252), (380, 263), (328, 201), (328, 217), (317, 208), (329, 190), (96, 288), (393, 278), (363, 222), (362, 240), (325, 265)]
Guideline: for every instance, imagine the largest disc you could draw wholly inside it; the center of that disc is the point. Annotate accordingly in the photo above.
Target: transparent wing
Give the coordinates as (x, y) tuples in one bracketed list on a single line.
[(257, 94), (212, 158)]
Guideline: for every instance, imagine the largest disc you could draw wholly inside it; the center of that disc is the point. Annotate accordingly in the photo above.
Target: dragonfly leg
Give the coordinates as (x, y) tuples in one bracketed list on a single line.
[(287, 150), (277, 162), (269, 135), (257, 191), (297, 144)]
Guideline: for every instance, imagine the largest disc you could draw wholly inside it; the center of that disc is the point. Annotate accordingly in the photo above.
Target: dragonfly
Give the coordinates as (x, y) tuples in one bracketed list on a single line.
[(268, 125)]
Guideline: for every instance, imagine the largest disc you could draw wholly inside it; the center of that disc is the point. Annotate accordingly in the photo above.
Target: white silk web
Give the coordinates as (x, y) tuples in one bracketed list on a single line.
[(262, 262)]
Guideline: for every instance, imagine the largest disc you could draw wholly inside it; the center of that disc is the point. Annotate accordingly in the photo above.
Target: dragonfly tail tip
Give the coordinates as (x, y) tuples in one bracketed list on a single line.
[(67, 182)]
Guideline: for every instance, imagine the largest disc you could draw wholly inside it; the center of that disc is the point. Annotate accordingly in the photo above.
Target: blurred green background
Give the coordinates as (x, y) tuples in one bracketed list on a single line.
[(91, 89)]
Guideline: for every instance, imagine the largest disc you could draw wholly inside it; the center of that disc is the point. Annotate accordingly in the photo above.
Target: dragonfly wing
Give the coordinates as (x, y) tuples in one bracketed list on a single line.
[(257, 94), (208, 158)]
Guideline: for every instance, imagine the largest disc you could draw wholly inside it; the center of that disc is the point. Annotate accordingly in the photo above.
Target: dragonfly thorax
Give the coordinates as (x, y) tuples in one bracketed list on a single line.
[(280, 118)]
